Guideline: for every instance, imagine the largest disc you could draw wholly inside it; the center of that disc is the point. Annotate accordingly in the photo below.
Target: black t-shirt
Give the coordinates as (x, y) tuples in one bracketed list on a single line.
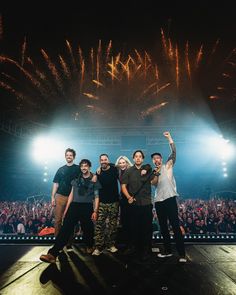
[(64, 176), (108, 179), (137, 183)]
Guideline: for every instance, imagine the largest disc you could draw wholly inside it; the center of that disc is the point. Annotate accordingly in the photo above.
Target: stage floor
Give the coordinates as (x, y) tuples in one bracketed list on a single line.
[(211, 269)]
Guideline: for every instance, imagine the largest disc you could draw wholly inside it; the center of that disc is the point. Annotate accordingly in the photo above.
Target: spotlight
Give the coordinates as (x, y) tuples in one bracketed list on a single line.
[(224, 148), (47, 148)]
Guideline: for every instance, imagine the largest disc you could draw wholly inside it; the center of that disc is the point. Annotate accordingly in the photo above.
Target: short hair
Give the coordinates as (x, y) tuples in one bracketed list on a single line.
[(139, 151), (156, 154), (103, 155), (85, 161), (129, 164), (71, 151)]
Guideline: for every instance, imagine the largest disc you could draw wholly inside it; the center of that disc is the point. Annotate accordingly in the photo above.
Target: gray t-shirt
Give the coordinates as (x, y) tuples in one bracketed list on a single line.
[(166, 187), (85, 190)]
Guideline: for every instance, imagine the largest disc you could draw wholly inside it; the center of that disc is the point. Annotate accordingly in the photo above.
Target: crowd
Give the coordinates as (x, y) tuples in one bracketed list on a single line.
[(196, 216)]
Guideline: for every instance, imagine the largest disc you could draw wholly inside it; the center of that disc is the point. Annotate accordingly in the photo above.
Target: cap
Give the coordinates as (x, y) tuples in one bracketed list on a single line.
[(156, 154)]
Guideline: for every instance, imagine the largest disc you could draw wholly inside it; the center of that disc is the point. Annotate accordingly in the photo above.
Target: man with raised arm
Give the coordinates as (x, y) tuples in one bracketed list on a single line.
[(165, 202)]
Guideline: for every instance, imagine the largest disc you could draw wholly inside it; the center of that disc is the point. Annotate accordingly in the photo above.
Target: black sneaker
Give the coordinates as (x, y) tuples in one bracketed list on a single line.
[(129, 250)]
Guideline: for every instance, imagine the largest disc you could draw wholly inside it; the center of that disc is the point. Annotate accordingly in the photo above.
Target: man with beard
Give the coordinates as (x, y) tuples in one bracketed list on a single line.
[(106, 224), (62, 187), (82, 206), (165, 202)]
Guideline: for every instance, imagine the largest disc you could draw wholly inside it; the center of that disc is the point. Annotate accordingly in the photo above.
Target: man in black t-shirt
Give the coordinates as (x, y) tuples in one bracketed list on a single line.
[(62, 186), (106, 225), (136, 186), (82, 206)]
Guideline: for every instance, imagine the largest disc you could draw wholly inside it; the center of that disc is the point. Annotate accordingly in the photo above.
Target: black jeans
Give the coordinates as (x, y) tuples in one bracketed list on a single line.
[(141, 225), (168, 210), (76, 212), (126, 217)]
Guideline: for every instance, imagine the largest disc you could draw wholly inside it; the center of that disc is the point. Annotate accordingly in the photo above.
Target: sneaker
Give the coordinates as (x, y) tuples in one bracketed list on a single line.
[(155, 250), (97, 252), (49, 258), (112, 249), (160, 255), (69, 248), (182, 259), (129, 250)]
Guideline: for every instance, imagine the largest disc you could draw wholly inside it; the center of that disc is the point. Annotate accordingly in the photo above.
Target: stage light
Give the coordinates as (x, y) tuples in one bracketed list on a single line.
[(47, 149), (224, 148), (225, 175)]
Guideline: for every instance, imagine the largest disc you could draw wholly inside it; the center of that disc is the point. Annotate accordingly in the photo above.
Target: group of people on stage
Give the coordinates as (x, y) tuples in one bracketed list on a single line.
[(95, 201)]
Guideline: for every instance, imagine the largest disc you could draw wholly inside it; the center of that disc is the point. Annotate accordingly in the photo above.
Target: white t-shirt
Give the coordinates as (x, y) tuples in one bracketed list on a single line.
[(166, 186)]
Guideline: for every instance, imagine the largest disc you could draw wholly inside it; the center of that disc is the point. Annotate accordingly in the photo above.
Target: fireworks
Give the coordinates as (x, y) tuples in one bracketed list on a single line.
[(105, 83)]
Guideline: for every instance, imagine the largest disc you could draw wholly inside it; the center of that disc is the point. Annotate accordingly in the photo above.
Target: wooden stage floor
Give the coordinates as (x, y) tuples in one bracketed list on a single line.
[(211, 269)]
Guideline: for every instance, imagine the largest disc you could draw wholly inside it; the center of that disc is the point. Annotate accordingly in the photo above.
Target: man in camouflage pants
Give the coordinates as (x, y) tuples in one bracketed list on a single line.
[(106, 224)]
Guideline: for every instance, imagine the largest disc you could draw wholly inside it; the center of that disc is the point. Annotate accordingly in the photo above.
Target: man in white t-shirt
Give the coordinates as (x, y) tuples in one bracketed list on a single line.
[(165, 202)]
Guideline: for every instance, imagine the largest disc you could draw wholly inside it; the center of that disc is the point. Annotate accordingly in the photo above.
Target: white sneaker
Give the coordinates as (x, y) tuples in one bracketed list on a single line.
[(69, 248), (96, 252), (155, 250), (164, 255), (112, 249), (182, 259)]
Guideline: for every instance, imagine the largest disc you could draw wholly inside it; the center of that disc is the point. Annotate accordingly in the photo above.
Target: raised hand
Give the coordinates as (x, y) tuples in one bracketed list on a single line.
[(166, 134)]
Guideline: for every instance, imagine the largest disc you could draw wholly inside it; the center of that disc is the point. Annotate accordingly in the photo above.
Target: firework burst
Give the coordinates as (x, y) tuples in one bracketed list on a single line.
[(104, 83)]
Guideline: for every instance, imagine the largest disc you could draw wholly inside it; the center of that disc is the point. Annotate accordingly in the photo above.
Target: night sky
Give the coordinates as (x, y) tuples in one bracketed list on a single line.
[(127, 22)]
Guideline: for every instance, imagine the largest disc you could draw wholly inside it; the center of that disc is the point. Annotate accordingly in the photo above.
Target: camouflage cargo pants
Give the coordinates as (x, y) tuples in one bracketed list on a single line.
[(106, 225)]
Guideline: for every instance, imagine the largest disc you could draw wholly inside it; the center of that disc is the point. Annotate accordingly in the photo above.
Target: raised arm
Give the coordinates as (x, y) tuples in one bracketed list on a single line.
[(172, 157)]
